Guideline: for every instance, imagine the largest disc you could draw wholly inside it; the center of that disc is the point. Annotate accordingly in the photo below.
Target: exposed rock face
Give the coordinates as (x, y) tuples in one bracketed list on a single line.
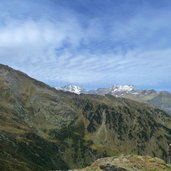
[(128, 163), (42, 128), (109, 167)]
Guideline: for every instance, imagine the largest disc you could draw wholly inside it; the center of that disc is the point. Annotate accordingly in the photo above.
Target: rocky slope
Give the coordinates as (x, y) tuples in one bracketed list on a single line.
[(128, 163), (42, 128)]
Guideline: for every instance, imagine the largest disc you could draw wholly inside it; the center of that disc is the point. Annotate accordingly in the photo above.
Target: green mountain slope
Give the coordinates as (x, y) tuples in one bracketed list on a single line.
[(45, 129)]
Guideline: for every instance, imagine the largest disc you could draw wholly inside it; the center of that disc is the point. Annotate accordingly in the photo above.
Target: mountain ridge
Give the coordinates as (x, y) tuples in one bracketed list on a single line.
[(45, 129), (161, 99), (115, 88)]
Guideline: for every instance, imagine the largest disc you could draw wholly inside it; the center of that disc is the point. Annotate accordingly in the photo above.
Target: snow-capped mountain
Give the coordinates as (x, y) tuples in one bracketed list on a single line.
[(116, 90), (71, 88), (160, 99), (120, 90), (126, 88)]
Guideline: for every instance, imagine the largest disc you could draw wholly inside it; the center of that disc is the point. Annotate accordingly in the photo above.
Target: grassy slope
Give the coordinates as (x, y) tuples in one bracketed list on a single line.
[(42, 128)]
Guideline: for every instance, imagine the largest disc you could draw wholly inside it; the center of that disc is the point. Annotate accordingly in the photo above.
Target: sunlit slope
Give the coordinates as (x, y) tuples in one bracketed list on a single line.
[(44, 129)]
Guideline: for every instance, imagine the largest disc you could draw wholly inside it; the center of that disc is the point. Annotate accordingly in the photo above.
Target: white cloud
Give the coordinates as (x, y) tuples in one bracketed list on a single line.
[(94, 51), (33, 47), (38, 40)]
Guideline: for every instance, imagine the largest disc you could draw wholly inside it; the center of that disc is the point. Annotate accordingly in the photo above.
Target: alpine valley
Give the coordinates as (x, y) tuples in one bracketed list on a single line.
[(42, 128)]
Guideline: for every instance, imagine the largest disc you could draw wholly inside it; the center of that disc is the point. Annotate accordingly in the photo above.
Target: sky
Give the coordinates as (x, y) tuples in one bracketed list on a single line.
[(90, 43)]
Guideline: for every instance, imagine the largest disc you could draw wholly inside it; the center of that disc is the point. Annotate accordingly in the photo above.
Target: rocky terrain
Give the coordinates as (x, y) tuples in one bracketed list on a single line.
[(128, 163), (42, 128)]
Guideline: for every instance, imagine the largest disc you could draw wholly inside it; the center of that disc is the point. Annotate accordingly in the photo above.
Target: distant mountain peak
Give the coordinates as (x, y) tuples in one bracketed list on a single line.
[(116, 90), (72, 88), (126, 88)]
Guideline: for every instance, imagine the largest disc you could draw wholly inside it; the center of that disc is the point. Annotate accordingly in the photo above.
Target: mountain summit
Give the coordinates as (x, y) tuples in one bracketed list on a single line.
[(72, 88), (116, 90), (126, 88)]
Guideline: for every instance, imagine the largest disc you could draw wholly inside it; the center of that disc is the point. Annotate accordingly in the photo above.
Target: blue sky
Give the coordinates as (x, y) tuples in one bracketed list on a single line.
[(91, 43)]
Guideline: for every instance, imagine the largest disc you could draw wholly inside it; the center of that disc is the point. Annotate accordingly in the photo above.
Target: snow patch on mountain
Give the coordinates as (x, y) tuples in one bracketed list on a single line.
[(123, 88), (115, 90), (71, 88)]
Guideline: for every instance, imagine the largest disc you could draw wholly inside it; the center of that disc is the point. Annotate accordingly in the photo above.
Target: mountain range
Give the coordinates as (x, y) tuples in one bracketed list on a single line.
[(42, 128), (161, 99)]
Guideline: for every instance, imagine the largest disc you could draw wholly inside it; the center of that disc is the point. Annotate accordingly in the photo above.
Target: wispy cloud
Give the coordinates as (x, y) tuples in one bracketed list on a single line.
[(56, 43)]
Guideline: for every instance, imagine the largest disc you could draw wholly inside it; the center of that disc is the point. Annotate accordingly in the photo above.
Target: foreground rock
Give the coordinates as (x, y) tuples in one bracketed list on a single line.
[(128, 163)]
